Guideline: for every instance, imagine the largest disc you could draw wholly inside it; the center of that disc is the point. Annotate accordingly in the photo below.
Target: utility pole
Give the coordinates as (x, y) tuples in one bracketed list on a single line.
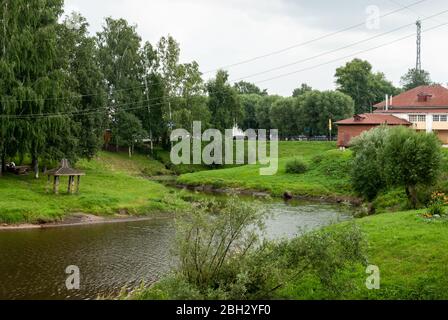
[(149, 113), (330, 128), (418, 66)]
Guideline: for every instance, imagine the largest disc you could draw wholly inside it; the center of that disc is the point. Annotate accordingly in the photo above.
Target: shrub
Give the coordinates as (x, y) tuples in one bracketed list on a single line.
[(437, 204), (395, 157), (436, 209), (411, 159), (296, 166), (367, 166), (221, 258), (324, 255), (317, 159)]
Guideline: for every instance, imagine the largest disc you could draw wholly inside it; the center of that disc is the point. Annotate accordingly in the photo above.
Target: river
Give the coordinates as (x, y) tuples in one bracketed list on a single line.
[(112, 256)]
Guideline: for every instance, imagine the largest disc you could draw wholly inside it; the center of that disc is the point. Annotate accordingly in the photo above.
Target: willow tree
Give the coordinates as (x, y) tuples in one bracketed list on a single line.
[(123, 69), (224, 102), (88, 82), (37, 83), (183, 88)]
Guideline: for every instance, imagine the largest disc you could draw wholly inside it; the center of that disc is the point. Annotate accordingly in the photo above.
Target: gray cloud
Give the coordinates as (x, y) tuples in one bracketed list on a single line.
[(218, 33)]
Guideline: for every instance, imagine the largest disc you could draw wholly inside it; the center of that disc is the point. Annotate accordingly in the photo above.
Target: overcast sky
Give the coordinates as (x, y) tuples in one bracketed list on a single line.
[(218, 33)]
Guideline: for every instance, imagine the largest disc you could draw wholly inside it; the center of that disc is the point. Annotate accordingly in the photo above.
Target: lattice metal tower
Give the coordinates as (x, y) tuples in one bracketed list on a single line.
[(419, 46)]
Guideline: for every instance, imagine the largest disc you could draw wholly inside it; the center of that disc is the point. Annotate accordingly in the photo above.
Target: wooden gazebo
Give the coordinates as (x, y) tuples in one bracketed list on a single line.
[(65, 171)]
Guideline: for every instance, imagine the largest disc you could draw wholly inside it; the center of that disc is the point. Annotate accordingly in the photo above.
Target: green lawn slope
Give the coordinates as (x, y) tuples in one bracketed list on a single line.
[(328, 173), (113, 184), (410, 251)]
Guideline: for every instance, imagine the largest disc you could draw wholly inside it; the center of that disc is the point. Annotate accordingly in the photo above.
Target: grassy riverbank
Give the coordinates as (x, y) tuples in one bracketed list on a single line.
[(113, 184), (410, 252), (328, 173)]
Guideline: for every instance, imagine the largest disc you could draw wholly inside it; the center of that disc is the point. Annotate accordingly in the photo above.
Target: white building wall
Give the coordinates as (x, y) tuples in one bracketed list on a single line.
[(429, 120), (402, 116)]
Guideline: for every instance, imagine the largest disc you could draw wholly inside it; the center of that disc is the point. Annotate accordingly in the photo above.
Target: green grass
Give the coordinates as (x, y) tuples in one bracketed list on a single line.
[(113, 183), (410, 252), (164, 157), (327, 174), (137, 165)]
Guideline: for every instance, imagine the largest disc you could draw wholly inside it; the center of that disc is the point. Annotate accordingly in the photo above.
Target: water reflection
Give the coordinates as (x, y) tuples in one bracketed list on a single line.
[(110, 256)]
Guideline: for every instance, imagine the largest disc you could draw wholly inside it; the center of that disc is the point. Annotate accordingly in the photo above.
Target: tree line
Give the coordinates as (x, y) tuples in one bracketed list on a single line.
[(61, 88)]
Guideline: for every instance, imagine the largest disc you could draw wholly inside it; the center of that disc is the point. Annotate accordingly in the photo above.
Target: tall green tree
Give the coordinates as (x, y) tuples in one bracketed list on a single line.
[(224, 102), (36, 79), (411, 159), (88, 82), (128, 130), (367, 174), (191, 105), (320, 107), (183, 87), (123, 67), (415, 78), (249, 103), (395, 157), (286, 116), (366, 88), (304, 88), (168, 53), (244, 87), (263, 112), (380, 86), (154, 91)]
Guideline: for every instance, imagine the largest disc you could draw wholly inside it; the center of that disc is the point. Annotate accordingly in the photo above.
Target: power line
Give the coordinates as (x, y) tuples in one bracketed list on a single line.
[(295, 62), (270, 79), (81, 112), (336, 50), (312, 40), (232, 65), (349, 56)]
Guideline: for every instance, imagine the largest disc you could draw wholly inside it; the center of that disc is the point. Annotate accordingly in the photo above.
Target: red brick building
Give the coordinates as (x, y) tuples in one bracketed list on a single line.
[(353, 127)]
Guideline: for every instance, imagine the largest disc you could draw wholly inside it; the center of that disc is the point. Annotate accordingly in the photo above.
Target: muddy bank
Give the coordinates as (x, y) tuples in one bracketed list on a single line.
[(80, 219), (260, 194)]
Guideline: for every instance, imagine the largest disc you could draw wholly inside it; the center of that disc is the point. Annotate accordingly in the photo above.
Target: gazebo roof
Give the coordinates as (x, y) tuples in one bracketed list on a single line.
[(64, 170)]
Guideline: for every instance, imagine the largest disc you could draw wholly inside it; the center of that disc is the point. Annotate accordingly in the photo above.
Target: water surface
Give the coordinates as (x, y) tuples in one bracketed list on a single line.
[(111, 256)]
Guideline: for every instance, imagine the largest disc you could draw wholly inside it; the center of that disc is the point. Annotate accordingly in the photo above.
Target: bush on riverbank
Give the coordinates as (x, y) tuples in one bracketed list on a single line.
[(388, 157), (222, 257), (296, 166)]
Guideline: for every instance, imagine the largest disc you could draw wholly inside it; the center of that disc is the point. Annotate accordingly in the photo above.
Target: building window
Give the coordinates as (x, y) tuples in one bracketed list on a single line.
[(417, 118), (421, 118), (439, 118)]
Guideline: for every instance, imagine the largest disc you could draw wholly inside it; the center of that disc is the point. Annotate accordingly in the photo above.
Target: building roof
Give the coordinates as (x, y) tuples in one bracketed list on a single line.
[(436, 98), (373, 119), (413, 111), (64, 170)]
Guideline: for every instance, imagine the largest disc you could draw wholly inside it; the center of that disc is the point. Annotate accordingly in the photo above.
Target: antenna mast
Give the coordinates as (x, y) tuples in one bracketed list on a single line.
[(419, 46)]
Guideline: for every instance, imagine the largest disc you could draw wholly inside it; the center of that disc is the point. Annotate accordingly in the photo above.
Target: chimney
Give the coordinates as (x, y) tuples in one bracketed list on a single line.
[(387, 102), (391, 100)]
